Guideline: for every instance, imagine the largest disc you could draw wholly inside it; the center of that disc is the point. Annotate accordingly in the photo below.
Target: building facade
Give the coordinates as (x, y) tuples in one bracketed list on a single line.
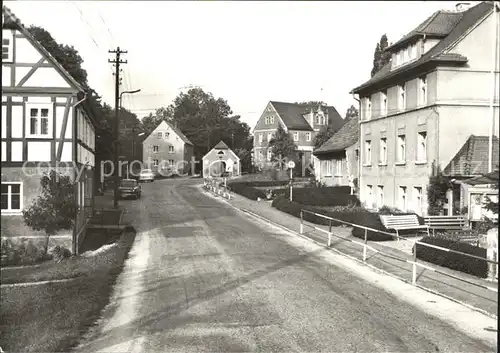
[(421, 108), (303, 122), (337, 160), (47, 123), (221, 160), (167, 151)]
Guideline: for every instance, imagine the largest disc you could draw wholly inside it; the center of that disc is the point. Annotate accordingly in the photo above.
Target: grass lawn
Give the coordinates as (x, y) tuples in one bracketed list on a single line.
[(52, 317)]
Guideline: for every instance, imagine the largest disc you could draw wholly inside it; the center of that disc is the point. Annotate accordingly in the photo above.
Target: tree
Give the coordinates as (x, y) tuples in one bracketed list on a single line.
[(381, 57), (55, 209), (282, 146), (438, 185), (66, 55)]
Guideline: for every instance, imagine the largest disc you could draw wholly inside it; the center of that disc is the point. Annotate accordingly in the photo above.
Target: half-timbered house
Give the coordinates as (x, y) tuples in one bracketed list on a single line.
[(47, 122)]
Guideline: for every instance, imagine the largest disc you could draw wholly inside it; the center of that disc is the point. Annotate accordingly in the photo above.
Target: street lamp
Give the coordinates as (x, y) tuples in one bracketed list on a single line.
[(129, 92)]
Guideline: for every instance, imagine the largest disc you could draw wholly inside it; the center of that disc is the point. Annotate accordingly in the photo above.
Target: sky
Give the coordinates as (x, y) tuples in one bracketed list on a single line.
[(247, 52)]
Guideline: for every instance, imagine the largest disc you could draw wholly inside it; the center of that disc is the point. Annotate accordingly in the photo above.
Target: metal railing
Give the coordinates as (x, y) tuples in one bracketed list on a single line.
[(414, 260), (218, 186)]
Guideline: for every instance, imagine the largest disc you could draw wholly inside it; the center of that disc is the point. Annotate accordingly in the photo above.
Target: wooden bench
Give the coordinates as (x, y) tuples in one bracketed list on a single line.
[(403, 222), (446, 223)]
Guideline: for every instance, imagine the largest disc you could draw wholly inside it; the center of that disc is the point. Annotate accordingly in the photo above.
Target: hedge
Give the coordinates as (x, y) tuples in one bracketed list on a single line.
[(451, 260), (355, 215), (244, 189), (324, 196)]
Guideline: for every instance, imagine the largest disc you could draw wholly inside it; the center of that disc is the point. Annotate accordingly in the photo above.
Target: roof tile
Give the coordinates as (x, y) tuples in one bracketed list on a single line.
[(292, 115), (472, 158), (345, 137)]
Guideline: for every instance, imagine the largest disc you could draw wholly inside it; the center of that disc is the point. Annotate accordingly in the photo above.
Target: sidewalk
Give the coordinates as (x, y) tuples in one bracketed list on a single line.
[(468, 294)]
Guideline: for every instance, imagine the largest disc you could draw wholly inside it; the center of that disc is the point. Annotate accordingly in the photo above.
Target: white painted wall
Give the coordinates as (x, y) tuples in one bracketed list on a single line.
[(20, 73), (67, 155), (6, 72), (16, 151), (4, 121), (25, 52), (60, 120), (46, 77), (17, 121), (4, 151), (39, 151)]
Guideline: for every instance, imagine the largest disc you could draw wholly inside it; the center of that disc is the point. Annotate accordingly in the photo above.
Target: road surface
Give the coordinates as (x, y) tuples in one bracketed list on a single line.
[(203, 277)]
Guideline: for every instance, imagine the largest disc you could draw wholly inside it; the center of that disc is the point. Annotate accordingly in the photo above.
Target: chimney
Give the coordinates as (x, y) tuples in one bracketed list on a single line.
[(462, 6)]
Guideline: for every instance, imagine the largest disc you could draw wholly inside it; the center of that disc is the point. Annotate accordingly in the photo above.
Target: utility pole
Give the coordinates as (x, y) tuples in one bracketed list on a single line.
[(117, 61)]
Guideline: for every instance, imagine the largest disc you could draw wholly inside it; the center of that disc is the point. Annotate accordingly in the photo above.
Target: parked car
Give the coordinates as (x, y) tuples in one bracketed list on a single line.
[(129, 188), (147, 175)]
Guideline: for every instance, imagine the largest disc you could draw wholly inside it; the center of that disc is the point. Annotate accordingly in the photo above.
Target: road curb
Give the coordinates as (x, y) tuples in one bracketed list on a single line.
[(376, 269), (29, 284)]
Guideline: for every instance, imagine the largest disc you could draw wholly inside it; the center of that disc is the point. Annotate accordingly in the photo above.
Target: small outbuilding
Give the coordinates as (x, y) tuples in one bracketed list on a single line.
[(221, 161)]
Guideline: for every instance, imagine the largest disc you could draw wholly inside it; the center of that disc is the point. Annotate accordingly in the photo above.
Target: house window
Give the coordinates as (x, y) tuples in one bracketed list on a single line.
[(368, 108), (308, 136), (159, 135), (171, 162), (329, 167), (380, 196), (167, 135), (267, 120), (402, 97), (261, 137), (401, 148), (296, 136), (317, 119), (269, 155), (402, 198), (423, 90), (383, 151), (338, 167), (7, 46), (368, 152), (383, 103), (369, 196), (417, 192), (170, 149), (39, 123), (422, 146), (413, 51), (156, 148), (269, 136), (401, 59), (261, 155), (155, 162), (11, 195), (271, 119)]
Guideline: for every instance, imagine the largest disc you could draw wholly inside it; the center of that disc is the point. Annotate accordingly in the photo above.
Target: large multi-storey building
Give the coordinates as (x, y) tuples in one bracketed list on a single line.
[(423, 108), (302, 121), (47, 123), (167, 151)]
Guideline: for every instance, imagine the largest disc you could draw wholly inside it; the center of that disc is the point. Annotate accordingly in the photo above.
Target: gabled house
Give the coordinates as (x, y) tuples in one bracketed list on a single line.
[(422, 107), (168, 151), (47, 123), (221, 160), (337, 160), (303, 122)]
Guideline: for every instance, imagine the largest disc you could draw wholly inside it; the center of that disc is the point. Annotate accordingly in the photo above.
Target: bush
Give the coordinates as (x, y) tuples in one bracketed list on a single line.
[(324, 196), (451, 260), (25, 253), (244, 189), (356, 215)]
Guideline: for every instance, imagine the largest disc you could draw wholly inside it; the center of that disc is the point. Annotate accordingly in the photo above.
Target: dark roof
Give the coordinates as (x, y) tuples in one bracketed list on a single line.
[(347, 136), (472, 158), (12, 22), (449, 26), (292, 115), (179, 133), (221, 146), (490, 178)]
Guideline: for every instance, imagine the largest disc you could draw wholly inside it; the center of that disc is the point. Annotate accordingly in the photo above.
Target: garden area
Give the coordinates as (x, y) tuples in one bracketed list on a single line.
[(338, 203)]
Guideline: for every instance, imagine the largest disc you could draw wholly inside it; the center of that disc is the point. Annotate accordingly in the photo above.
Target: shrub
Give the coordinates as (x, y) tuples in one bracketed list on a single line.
[(243, 189), (451, 260), (356, 215), (324, 196)]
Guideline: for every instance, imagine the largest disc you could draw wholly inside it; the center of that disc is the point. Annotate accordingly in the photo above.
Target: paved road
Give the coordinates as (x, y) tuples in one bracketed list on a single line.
[(204, 278)]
